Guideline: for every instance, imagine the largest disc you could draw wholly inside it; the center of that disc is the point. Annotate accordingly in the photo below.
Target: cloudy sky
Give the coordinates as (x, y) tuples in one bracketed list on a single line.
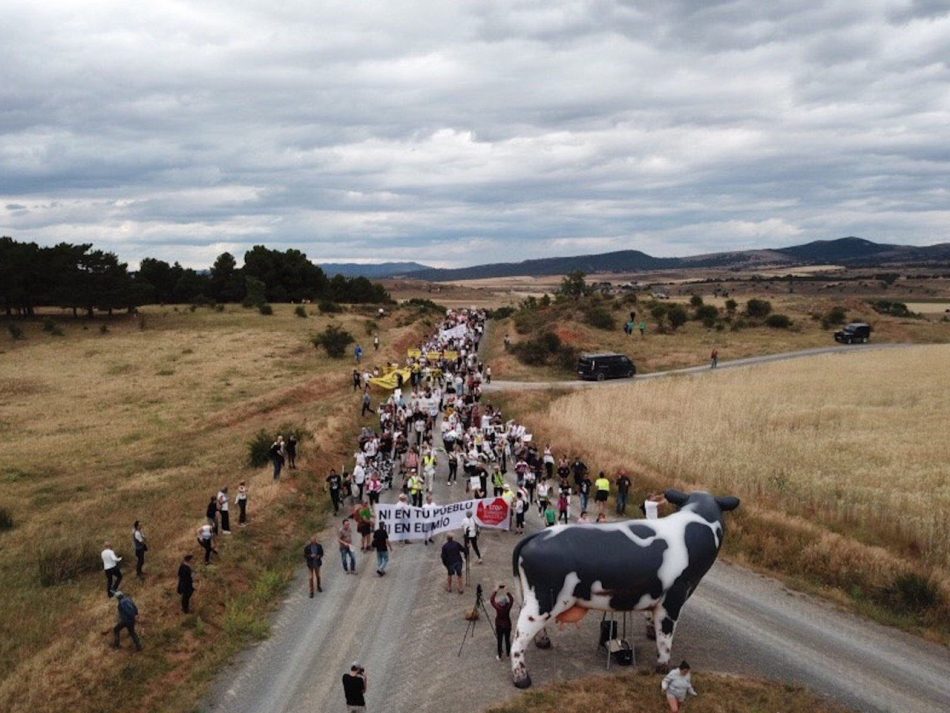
[(456, 133)]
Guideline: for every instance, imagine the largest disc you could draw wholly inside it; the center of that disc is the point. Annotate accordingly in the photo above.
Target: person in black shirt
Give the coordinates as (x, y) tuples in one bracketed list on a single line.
[(584, 490), (186, 585), (313, 553), (212, 513), (292, 452), (623, 492), (357, 380), (354, 688), (334, 484), (453, 554), (580, 470), (502, 601), (382, 547)]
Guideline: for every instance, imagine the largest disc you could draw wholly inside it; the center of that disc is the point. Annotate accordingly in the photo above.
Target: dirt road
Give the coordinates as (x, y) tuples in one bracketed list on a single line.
[(406, 630)]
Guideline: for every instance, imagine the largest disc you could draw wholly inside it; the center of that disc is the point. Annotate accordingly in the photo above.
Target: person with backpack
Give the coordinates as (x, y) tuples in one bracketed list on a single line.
[(186, 583), (138, 542), (127, 614), (313, 554)]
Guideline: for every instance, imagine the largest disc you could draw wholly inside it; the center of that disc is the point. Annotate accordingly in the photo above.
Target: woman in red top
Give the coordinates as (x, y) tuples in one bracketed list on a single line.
[(502, 601)]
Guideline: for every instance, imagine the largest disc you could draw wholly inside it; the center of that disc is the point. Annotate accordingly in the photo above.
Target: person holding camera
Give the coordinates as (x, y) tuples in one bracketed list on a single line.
[(354, 688), (502, 601)]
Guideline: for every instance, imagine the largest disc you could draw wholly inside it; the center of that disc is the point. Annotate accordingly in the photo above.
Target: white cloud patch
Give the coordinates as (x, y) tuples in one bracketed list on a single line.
[(461, 133)]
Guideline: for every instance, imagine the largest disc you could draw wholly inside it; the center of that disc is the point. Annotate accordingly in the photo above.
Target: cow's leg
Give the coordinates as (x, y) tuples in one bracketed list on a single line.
[(651, 632), (665, 615), (530, 623)]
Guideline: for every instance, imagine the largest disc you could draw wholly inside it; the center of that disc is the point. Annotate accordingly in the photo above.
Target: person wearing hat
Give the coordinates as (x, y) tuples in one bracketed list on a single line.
[(676, 685), (354, 688), (127, 614)]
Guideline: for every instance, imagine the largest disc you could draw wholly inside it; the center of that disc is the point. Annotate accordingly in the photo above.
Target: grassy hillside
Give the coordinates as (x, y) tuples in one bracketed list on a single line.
[(840, 462), (717, 694), (100, 428)]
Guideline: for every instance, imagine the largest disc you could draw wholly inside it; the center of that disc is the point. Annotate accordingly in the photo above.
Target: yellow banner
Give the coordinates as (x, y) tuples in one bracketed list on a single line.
[(390, 380), (432, 356)]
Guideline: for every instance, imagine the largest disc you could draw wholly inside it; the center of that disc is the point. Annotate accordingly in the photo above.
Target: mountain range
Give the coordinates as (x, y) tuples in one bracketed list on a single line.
[(850, 252)]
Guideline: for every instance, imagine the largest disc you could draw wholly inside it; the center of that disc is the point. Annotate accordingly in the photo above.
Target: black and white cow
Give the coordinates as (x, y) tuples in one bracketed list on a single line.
[(634, 565)]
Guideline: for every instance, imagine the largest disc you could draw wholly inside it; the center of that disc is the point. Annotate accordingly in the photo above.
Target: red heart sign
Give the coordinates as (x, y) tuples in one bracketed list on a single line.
[(492, 514)]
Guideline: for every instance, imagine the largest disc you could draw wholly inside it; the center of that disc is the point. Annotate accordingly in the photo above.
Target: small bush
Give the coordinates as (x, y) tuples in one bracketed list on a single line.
[(371, 326), (599, 318), (502, 312), (103, 329), (677, 316), (707, 314), (539, 350), (57, 332), (566, 358), (49, 324), (192, 307), (328, 307), (143, 323), (6, 520), (300, 311), (834, 316), (778, 321), (15, 331), (334, 339), (731, 305), (258, 448), (65, 560), (525, 321), (758, 309), (265, 309), (696, 301), (219, 307), (895, 309), (912, 591)]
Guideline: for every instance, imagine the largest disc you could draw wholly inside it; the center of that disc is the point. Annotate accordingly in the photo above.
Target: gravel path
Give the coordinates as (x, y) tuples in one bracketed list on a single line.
[(406, 630)]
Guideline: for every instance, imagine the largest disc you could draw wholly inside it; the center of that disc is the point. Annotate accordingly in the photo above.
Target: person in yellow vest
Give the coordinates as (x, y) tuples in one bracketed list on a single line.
[(416, 486), (602, 488), (428, 468), (497, 481)]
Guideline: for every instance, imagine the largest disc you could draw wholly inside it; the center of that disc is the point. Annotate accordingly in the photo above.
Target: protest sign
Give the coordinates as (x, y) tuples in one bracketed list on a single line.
[(404, 522)]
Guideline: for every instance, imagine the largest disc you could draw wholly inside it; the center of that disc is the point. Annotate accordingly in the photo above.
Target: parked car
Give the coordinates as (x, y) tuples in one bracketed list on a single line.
[(854, 332), (605, 366)]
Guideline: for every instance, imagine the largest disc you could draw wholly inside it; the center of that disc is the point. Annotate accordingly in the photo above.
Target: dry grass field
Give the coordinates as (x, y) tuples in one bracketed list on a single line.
[(692, 343), (641, 693), (841, 462), (98, 429)]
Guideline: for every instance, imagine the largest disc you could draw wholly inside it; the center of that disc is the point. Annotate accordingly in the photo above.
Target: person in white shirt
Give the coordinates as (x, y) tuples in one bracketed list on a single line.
[(470, 531), (429, 507), (110, 563), (359, 480), (676, 685), (651, 506), (223, 509)]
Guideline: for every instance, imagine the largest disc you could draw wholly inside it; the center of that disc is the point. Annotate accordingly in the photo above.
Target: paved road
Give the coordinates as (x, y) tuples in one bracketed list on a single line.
[(406, 630), (502, 385)]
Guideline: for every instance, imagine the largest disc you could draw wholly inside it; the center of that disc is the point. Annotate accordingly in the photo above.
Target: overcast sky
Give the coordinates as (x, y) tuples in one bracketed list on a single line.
[(456, 133)]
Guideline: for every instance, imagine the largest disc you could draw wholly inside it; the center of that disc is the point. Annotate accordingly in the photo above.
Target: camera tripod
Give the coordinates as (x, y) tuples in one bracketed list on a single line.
[(473, 618)]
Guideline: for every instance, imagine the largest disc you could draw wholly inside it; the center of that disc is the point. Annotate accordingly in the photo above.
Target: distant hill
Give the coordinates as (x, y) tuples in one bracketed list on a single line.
[(374, 271), (843, 251)]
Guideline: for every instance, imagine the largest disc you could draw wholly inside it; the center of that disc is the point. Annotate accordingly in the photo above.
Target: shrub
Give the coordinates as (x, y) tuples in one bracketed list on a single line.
[(600, 318), (538, 350), (103, 329), (778, 321), (758, 309), (731, 305), (834, 316), (566, 358), (328, 307), (525, 321), (6, 519), (49, 325), (895, 309), (502, 312), (426, 305), (334, 339), (15, 331), (265, 309), (912, 591), (371, 326), (65, 560), (192, 307), (696, 301), (300, 311), (707, 314), (57, 332), (219, 307), (256, 292), (677, 316)]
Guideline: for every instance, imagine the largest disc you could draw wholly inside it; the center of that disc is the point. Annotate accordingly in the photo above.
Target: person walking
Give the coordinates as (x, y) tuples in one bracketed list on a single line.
[(354, 688), (367, 403), (358, 353), (584, 488), (602, 485), (374, 487), (345, 539), (277, 456), (225, 512), (452, 556), (357, 380), (502, 601), (211, 512), (242, 504), (333, 486), (416, 487), (292, 451), (186, 583), (519, 507), (382, 547), (110, 563), (497, 481), (127, 614), (714, 359), (313, 554), (543, 497), (429, 507), (623, 491), (563, 506), (375, 342), (550, 515), (138, 542), (470, 532), (677, 684), (206, 540)]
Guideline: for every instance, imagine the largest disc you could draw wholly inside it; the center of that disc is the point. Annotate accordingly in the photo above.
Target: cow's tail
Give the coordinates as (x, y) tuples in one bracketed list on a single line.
[(515, 556)]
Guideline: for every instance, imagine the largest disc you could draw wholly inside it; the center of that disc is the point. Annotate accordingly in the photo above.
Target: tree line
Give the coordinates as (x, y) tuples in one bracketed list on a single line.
[(80, 278)]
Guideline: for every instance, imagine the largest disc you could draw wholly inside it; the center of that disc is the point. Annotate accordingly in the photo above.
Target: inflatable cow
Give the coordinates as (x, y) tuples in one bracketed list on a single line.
[(635, 565)]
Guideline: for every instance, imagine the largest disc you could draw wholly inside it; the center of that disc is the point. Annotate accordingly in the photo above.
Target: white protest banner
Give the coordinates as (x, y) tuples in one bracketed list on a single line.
[(457, 332), (404, 522)]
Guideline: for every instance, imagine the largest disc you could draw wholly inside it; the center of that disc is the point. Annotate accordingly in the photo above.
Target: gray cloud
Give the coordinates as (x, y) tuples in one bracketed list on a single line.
[(460, 133)]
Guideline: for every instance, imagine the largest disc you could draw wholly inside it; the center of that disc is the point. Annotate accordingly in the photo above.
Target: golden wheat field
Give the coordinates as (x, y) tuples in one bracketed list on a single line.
[(100, 428), (841, 460)]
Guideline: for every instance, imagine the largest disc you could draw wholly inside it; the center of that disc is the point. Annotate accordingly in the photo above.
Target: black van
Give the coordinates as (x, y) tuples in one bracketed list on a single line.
[(855, 332), (605, 366)]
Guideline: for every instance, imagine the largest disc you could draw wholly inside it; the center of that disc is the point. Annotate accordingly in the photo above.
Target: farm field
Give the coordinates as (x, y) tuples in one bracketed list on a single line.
[(691, 344), (98, 429), (840, 462)]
